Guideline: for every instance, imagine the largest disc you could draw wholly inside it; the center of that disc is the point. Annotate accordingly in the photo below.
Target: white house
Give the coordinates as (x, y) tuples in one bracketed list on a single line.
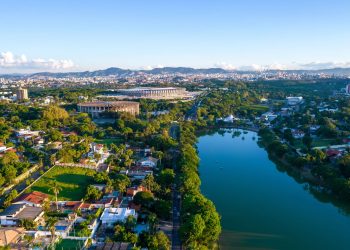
[(294, 100), (112, 215), (16, 212), (297, 134), (148, 162), (228, 119), (269, 116)]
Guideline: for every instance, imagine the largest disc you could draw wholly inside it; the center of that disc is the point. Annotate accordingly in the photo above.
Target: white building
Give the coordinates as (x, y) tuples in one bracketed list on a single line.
[(153, 92), (268, 116), (294, 100), (17, 212), (297, 134), (347, 89), (228, 119), (148, 162), (113, 215)]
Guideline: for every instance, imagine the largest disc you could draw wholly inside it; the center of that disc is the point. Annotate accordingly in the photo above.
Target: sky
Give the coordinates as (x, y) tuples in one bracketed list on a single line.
[(60, 35)]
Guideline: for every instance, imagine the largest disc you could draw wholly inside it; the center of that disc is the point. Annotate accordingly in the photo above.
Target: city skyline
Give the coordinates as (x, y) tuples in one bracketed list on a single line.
[(245, 35)]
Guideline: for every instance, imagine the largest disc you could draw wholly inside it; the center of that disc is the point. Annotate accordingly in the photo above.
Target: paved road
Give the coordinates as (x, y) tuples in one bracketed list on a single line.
[(174, 130), (23, 185), (192, 112), (176, 242)]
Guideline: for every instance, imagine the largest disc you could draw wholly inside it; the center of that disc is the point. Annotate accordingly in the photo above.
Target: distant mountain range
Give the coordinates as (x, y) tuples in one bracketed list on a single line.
[(127, 72), (118, 72)]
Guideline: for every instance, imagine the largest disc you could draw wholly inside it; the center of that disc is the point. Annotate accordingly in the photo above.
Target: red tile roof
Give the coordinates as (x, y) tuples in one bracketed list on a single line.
[(33, 197), (131, 191), (333, 152), (85, 206)]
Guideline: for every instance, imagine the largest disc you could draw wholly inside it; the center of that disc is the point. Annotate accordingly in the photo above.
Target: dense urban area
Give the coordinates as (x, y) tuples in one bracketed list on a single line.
[(108, 160)]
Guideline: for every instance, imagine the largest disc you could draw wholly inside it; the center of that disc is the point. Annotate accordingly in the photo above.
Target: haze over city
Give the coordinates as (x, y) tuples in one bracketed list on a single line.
[(245, 35)]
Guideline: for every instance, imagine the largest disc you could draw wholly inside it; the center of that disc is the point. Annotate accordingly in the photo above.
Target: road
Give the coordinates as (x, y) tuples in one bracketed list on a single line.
[(192, 112), (176, 242), (174, 130), (23, 185)]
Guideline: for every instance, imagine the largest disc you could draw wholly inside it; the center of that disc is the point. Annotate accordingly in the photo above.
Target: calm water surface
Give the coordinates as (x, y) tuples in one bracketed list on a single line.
[(263, 208)]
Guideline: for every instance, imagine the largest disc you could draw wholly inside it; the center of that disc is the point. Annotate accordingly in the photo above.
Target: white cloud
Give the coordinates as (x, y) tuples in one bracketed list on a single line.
[(224, 65), (10, 62), (252, 67), (150, 67)]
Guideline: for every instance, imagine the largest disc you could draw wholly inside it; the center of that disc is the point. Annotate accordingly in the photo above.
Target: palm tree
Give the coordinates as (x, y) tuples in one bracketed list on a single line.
[(51, 222), (152, 221), (55, 188)]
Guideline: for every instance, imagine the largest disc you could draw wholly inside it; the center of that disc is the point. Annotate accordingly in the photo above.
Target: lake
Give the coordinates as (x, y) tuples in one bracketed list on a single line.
[(261, 207)]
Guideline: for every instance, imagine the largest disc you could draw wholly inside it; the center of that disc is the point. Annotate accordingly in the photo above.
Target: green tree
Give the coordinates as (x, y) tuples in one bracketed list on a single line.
[(307, 140), (121, 182), (92, 193), (194, 227), (55, 188), (152, 221), (150, 183), (163, 241), (50, 225), (12, 195), (53, 112), (344, 164), (9, 157), (130, 222), (319, 155), (28, 224), (166, 177), (144, 199)]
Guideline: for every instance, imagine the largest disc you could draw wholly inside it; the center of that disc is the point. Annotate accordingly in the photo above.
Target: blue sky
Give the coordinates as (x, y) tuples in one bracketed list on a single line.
[(73, 35)]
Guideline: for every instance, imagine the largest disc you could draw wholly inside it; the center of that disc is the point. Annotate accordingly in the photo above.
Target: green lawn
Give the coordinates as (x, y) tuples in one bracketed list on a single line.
[(257, 108), (324, 142), (67, 244), (316, 143), (109, 141), (72, 180)]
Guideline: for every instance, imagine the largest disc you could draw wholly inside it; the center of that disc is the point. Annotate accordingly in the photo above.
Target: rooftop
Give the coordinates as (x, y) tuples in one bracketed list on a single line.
[(29, 213), (10, 235), (104, 104), (34, 197), (12, 209), (117, 214), (150, 88)]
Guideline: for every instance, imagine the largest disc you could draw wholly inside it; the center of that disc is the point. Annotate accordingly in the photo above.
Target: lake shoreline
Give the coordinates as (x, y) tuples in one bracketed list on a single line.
[(230, 229)]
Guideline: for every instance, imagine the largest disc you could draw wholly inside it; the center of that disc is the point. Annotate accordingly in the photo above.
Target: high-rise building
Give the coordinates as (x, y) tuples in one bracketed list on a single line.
[(347, 89), (22, 94)]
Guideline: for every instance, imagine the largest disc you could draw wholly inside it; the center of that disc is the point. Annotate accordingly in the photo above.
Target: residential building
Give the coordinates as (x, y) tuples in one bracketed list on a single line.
[(34, 198), (148, 162), (10, 236), (16, 212), (297, 134), (112, 215), (132, 191)]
